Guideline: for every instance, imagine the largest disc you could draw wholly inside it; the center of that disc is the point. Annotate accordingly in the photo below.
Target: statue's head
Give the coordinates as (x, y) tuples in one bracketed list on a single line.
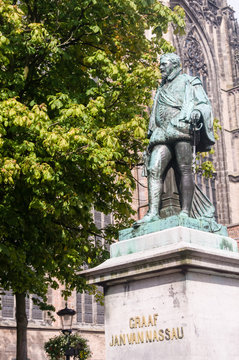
[(168, 63)]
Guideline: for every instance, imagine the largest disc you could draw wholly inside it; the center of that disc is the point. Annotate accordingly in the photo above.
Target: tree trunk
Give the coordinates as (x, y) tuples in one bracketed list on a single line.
[(22, 321)]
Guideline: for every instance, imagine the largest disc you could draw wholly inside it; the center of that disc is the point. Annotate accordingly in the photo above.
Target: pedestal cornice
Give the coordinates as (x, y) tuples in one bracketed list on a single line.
[(170, 258)]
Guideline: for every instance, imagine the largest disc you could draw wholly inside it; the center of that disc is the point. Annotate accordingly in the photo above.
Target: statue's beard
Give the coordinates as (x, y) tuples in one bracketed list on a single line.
[(166, 73), (169, 75)]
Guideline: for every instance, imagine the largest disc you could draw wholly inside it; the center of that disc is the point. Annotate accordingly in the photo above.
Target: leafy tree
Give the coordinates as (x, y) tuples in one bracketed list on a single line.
[(57, 346), (76, 79)]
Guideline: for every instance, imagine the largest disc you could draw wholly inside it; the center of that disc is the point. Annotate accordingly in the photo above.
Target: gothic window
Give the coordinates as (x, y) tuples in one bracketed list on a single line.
[(27, 301), (100, 314), (107, 219), (9, 307), (8, 310), (98, 219), (89, 312), (79, 307), (88, 308), (194, 61), (101, 221), (37, 314)]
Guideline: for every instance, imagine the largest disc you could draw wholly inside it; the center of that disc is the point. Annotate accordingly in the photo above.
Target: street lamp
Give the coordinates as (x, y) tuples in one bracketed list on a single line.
[(66, 316)]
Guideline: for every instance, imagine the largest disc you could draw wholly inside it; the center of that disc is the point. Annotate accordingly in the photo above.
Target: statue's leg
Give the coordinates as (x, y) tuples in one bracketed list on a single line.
[(183, 154), (158, 162)]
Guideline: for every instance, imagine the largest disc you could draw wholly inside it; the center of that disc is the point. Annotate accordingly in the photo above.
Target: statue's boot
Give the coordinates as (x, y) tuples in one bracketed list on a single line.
[(187, 191), (154, 189)]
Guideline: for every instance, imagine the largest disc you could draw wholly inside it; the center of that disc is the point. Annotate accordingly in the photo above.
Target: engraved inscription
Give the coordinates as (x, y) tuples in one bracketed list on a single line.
[(144, 329)]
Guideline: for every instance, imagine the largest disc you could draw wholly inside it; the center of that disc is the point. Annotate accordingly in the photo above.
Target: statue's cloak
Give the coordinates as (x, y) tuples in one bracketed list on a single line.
[(174, 102)]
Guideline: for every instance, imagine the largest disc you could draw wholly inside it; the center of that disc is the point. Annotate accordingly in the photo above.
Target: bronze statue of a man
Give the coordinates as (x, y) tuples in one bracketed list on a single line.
[(180, 102)]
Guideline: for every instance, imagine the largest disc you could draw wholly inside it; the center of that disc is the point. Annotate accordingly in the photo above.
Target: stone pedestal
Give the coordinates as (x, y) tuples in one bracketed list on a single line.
[(176, 301)]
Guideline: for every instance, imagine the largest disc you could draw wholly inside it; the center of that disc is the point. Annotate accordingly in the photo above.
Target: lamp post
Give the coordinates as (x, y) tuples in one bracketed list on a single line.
[(66, 316)]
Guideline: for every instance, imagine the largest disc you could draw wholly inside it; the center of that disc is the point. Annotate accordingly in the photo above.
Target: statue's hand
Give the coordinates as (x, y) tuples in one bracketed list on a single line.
[(195, 116)]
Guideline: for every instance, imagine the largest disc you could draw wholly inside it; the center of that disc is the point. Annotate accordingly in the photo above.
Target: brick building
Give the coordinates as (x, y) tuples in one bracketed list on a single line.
[(209, 49)]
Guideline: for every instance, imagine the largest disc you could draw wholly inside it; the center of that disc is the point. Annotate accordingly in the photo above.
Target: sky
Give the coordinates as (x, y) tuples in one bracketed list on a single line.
[(235, 5)]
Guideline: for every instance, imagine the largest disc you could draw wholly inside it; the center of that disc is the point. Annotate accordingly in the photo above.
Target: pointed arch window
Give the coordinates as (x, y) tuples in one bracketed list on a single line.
[(194, 61)]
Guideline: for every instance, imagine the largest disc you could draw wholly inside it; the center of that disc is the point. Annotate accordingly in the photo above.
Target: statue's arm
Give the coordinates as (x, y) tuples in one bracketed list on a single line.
[(202, 110), (203, 106), (152, 115)]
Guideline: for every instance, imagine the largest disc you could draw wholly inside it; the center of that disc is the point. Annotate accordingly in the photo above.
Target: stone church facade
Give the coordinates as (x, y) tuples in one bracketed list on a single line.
[(209, 49)]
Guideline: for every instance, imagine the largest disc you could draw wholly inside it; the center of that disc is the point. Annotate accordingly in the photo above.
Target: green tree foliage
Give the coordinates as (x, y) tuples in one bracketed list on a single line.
[(57, 346), (76, 79)]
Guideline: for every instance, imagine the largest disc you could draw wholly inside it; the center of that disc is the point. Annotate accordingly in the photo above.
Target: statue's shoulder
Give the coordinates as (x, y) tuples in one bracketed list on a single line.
[(194, 80)]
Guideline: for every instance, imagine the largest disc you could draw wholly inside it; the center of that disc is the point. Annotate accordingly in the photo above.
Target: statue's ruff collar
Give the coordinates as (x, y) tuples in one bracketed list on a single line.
[(172, 76)]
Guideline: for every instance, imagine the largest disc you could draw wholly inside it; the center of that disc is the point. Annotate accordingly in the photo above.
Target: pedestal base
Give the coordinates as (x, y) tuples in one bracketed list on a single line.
[(174, 302), (202, 224)]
